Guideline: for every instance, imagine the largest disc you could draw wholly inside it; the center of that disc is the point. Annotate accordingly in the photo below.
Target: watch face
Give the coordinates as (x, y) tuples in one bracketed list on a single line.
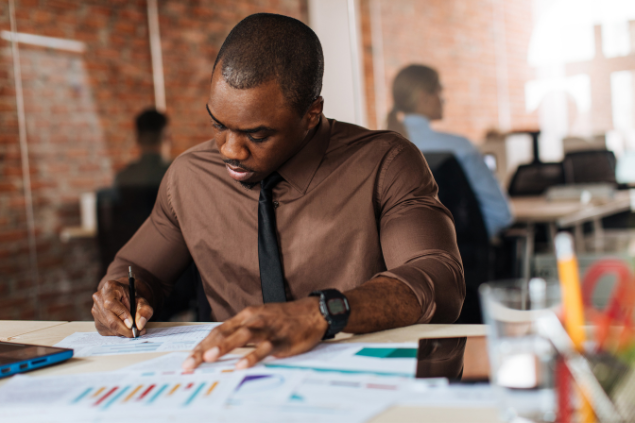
[(336, 306)]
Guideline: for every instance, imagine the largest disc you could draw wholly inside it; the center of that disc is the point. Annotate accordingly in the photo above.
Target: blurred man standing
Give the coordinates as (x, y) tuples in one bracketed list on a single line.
[(417, 95), (150, 168)]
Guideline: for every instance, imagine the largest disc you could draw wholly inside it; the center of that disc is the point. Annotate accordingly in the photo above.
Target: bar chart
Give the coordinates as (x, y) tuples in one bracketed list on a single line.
[(158, 392)]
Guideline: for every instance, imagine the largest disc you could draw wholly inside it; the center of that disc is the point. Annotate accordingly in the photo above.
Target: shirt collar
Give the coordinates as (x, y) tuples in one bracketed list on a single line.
[(417, 120), (298, 171)]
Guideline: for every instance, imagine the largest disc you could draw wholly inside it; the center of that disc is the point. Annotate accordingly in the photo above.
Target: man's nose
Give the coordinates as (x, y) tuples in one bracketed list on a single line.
[(234, 148)]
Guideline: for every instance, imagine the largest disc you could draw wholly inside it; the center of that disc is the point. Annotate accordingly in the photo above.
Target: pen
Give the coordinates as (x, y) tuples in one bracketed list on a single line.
[(133, 301)]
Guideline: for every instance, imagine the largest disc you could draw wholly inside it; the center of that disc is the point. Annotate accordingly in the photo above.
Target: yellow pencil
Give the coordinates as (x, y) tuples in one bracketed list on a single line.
[(572, 303)]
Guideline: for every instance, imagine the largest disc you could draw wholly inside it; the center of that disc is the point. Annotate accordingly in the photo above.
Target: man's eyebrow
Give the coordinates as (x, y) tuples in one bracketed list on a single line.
[(246, 131)]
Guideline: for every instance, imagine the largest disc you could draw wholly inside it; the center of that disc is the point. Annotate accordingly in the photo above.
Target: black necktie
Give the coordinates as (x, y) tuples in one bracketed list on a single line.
[(268, 255)]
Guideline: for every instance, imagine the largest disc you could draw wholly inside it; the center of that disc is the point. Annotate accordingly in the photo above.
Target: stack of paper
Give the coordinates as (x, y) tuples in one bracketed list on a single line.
[(333, 382)]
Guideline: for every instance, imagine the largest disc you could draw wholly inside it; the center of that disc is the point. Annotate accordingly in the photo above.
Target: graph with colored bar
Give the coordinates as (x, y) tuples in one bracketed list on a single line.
[(156, 391)]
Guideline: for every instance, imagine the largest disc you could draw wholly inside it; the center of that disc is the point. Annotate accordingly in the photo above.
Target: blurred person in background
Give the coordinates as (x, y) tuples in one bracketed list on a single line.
[(150, 168), (418, 100)]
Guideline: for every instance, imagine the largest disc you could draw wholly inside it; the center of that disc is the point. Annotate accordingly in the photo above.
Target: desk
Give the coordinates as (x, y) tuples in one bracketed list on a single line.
[(13, 328), (54, 334), (561, 214)]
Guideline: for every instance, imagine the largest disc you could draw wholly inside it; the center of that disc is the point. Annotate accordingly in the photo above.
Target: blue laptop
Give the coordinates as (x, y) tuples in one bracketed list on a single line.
[(19, 358)]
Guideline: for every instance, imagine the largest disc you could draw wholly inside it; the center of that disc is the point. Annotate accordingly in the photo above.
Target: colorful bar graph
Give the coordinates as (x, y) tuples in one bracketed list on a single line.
[(103, 398), (211, 388), (82, 395), (173, 390), (194, 394), (132, 394), (146, 392), (157, 393), (116, 397), (99, 391)]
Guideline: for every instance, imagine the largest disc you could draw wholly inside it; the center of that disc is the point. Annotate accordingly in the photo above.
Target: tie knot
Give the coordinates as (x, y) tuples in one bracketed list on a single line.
[(271, 181)]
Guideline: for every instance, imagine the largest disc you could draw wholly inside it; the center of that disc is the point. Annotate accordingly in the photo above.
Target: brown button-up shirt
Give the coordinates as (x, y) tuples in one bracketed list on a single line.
[(353, 204)]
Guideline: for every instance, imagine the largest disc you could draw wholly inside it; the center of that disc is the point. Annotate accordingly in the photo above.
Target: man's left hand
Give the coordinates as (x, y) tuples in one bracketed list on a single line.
[(278, 329)]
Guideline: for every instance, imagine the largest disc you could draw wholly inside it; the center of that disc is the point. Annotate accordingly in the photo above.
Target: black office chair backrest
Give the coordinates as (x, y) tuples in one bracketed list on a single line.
[(535, 179), (591, 166), (120, 213), (456, 193)]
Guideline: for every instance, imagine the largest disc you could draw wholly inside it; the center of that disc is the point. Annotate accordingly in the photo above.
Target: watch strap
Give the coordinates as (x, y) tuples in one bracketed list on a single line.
[(336, 323)]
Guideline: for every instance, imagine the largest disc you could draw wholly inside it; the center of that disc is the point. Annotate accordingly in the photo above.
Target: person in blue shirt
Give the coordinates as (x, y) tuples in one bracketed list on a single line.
[(417, 96)]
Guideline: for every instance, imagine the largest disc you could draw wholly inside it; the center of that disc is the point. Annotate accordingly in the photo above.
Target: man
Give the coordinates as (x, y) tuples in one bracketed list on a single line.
[(282, 203), (417, 95), (150, 168)]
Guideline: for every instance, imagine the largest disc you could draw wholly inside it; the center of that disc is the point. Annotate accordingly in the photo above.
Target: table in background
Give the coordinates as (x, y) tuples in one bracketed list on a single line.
[(563, 214), (57, 331)]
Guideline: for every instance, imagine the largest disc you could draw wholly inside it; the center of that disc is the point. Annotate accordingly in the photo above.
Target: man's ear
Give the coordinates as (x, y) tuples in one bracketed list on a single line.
[(314, 113)]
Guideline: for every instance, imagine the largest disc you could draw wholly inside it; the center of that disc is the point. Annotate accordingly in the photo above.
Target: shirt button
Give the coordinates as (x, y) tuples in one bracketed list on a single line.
[(275, 204)]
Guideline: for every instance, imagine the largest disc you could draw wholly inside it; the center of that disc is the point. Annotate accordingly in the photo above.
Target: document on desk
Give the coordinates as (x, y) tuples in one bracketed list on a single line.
[(101, 396), (172, 363), (256, 395), (396, 359), (177, 338)]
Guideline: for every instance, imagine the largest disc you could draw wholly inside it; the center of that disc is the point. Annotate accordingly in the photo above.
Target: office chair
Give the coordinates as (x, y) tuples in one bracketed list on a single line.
[(591, 166), (455, 193), (120, 212), (535, 178)]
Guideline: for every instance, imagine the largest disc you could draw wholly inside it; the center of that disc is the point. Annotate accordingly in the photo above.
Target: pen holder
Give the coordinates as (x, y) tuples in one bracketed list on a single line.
[(522, 361), (605, 380)]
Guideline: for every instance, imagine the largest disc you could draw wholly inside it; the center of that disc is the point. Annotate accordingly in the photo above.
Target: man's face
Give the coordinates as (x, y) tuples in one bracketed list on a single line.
[(256, 129)]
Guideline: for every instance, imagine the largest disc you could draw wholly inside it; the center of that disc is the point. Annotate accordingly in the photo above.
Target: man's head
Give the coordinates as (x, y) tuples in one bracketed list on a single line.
[(417, 89), (150, 129), (265, 94)]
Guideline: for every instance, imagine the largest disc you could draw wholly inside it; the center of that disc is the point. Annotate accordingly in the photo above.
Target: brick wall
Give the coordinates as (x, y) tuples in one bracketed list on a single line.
[(458, 38), (80, 110)]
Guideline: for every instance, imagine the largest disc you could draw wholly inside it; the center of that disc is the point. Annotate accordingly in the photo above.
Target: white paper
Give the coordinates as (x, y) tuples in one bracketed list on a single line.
[(477, 395), (172, 364), (178, 338), (346, 358)]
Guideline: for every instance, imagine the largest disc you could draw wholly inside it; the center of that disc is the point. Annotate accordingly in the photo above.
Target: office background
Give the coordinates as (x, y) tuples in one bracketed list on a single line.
[(504, 65)]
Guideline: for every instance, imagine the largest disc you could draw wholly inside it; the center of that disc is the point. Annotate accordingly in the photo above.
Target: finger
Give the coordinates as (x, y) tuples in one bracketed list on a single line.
[(236, 340), (144, 313), (114, 298), (196, 356), (104, 322), (102, 329), (115, 324), (262, 350), (209, 344)]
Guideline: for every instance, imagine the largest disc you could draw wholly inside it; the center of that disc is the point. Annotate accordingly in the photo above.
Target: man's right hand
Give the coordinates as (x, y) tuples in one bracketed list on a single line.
[(111, 308)]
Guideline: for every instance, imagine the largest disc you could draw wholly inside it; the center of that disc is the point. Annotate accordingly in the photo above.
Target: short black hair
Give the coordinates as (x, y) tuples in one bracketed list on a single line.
[(149, 125), (266, 46)]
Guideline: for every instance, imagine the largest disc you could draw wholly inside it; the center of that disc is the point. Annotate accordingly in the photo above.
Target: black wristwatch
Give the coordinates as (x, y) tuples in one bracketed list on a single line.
[(335, 309)]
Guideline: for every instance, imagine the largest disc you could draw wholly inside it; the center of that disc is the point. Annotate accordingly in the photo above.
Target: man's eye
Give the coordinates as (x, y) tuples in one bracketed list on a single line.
[(257, 139), (218, 126)]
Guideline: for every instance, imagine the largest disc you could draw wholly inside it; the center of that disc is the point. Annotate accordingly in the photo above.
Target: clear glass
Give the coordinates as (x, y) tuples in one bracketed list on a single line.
[(522, 363)]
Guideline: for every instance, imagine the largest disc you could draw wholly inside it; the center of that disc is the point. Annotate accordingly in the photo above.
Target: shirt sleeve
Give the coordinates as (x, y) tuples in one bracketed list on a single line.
[(417, 235), (157, 252), (492, 200)]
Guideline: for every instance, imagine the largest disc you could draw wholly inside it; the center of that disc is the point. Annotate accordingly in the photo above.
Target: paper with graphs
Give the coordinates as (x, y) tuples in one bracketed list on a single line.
[(178, 338)]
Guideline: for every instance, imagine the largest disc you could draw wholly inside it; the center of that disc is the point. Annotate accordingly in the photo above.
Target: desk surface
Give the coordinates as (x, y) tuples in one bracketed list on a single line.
[(538, 209), (13, 328), (56, 331)]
